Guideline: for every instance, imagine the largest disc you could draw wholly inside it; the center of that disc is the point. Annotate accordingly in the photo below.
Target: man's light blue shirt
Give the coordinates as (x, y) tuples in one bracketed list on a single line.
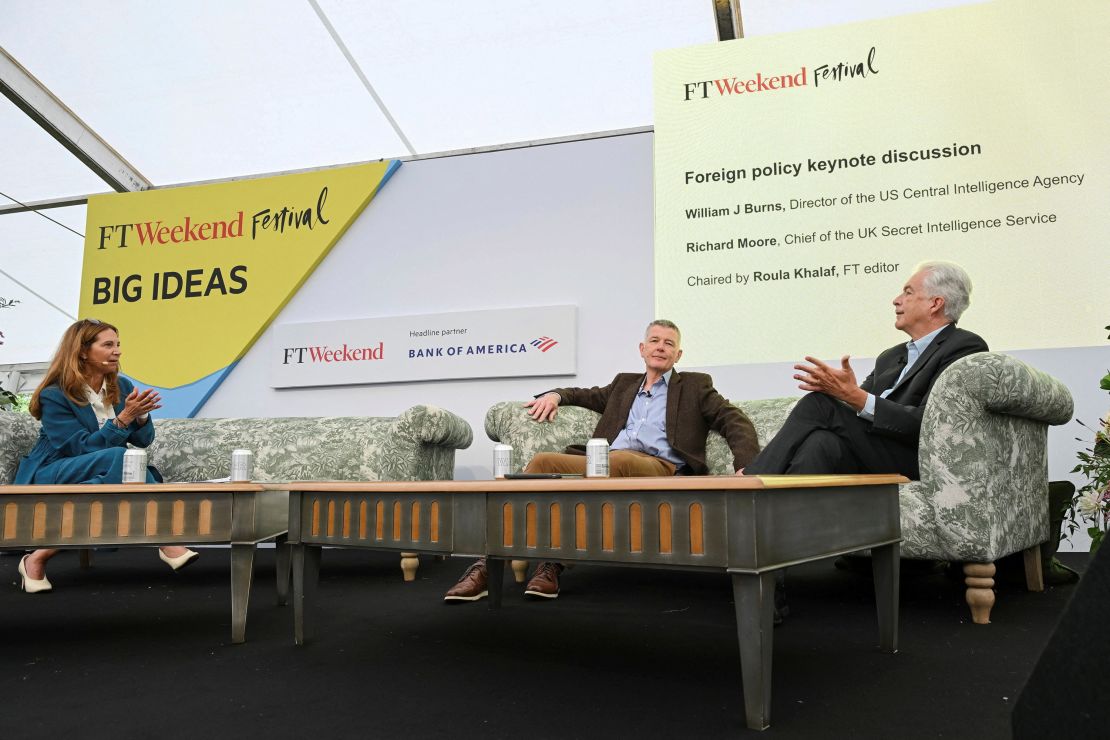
[(646, 427), (914, 349)]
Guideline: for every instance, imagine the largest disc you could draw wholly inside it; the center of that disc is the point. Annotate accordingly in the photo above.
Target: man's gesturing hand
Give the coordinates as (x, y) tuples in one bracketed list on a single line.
[(838, 383), (545, 407)]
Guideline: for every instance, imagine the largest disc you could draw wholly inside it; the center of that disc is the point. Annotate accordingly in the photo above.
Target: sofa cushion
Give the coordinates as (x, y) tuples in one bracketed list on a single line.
[(298, 448), (417, 445), (18, 433), (767, 415)]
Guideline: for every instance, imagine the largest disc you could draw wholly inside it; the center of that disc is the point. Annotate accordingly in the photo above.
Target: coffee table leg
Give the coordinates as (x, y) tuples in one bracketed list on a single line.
[(754, 595), (281, 566), (884, 567), (306, 577), (495, 569), (242, 569)]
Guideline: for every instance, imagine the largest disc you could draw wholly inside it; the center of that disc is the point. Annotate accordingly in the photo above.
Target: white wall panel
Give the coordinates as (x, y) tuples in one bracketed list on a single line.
[(550, 225)]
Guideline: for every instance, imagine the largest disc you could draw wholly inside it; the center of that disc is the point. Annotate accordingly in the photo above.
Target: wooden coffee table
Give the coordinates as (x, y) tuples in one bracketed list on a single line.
[(142, 514), (749, 527)]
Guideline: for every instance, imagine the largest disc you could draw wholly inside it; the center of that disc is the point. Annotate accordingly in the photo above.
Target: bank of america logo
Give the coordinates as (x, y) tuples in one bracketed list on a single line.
[(544, 343)]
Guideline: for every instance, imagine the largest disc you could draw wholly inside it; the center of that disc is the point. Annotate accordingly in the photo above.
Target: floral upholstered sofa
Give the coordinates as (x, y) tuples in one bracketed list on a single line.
[(983, 492), (418, 444)]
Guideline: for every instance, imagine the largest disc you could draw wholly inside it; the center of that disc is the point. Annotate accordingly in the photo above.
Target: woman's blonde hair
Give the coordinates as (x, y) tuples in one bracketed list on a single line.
[(67, 368)]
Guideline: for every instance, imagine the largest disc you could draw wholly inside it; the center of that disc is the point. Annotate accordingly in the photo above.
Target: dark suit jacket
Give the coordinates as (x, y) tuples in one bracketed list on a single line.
[(69, 430), (898, 416), (693, 408)]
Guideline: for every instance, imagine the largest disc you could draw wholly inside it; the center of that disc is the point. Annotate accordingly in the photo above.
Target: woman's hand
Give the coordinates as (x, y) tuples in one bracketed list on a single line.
[(137, 404)]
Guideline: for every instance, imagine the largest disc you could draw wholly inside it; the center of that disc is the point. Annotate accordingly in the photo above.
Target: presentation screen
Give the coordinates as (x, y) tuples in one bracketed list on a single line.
[(800, 178)]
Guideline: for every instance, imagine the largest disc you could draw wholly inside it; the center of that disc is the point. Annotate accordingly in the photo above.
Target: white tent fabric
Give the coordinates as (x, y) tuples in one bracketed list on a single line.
[(212, 89)]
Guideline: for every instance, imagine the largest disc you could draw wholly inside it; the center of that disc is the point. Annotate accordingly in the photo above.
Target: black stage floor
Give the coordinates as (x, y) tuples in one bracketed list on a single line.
[(130, 650)]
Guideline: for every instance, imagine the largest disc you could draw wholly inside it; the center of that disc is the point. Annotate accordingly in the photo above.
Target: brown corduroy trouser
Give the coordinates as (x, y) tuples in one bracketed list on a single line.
[(622, 464)]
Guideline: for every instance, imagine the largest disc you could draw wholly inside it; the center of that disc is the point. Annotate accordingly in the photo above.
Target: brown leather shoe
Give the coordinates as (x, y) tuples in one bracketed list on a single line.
[(472, 585), (545, 581)]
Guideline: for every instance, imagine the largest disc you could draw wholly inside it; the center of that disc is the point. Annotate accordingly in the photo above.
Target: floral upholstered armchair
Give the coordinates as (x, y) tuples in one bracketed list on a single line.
[(983, 492)]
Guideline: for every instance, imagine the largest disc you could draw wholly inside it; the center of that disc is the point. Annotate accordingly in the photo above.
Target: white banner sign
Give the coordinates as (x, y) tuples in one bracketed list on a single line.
[(474, 344), (799, 179)]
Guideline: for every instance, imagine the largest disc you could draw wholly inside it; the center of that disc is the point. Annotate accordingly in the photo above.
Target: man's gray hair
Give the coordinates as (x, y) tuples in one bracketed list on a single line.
[(668, 324), (949, 281)]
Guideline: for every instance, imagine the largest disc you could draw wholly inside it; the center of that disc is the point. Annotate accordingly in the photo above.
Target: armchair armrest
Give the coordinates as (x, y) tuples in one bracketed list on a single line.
[(432, 425), (510, 422), (1009, 386)]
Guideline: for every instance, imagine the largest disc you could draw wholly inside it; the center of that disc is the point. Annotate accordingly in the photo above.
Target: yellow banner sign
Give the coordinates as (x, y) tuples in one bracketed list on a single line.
[(193, 275)]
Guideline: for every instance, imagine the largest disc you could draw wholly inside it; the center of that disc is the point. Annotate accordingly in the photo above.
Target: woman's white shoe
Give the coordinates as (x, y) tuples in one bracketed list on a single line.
[(181, 560), (32, 585)]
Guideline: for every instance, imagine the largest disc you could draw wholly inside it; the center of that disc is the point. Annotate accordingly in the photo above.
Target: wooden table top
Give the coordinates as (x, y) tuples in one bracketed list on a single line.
[(71, 488), (668, 483)]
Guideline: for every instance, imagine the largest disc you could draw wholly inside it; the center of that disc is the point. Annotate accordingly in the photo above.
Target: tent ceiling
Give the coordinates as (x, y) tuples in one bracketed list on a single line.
[(213, 89), (35, 166)]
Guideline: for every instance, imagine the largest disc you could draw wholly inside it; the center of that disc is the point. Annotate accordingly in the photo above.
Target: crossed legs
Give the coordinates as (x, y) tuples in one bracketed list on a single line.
[(823, 435)]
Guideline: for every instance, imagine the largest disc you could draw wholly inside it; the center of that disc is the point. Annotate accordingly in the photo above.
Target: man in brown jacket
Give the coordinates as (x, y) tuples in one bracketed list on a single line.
[(656, 423)]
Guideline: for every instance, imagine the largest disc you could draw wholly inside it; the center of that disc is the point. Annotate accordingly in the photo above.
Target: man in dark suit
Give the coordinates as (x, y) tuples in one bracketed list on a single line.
[(656, 423), (873, 427)]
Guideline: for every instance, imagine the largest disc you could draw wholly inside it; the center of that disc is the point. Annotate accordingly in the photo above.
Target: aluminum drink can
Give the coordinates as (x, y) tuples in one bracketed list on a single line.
[(597, 458), (242, 465), (134, 466), (502, 460)]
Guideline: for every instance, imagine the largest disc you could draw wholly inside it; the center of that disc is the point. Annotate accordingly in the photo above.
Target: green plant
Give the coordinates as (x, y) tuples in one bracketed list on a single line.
[(11, 402), (1091, 504)]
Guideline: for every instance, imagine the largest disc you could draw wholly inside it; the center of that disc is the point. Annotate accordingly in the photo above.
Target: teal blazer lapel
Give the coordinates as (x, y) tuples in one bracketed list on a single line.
[(85, 415)]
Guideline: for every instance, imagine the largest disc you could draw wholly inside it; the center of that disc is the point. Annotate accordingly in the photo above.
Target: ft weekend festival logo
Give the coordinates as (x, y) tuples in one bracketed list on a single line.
[(822, 73), (196, 282)]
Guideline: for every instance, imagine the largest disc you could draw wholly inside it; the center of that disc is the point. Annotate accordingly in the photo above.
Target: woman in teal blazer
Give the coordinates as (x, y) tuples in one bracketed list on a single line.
[(89, 415)]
